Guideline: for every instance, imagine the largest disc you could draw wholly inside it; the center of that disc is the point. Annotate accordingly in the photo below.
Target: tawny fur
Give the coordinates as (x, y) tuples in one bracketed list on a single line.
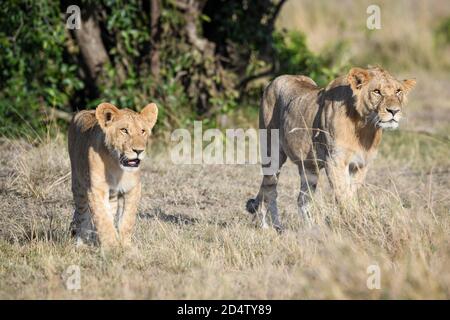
[(106, 191), (337, 128)]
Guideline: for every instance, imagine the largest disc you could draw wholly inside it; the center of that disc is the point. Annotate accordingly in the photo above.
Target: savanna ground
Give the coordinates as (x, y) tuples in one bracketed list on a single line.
[(193, 238)]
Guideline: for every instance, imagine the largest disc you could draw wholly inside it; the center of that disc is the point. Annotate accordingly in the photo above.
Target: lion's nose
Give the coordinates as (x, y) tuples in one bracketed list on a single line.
[(393, 111), (138, 151)]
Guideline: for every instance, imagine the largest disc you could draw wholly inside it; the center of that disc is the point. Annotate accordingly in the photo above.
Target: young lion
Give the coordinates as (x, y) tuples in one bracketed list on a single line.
[(106, 147), (337, 128)]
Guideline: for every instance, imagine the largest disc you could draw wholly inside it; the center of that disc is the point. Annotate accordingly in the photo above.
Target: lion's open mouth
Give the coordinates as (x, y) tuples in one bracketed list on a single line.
[(133, 163)]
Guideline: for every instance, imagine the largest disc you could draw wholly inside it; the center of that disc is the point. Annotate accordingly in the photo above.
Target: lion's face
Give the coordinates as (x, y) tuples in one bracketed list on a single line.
[(126, 132), (380, 96)]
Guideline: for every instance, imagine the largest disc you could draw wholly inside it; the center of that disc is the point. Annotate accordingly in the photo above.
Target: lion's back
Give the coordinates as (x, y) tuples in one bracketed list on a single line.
[(81, 135), (279, 94)]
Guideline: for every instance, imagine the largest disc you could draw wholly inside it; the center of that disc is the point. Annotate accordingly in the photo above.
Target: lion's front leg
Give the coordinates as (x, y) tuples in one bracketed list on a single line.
[(339, 177), (308, 184), (82, 227), (128, 217), (358, 176), (103, 218)]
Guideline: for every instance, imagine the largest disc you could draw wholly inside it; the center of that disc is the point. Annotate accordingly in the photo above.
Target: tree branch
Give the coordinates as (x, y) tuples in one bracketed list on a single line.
[(275, 14), (53, 114), (271, 23), (243, 83)]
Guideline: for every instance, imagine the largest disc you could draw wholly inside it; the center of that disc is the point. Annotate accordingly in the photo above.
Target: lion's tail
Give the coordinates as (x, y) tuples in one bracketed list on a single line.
[(252, 205)]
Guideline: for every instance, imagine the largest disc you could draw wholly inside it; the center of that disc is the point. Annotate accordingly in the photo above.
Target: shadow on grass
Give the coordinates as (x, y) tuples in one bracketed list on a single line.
[(177, 218)]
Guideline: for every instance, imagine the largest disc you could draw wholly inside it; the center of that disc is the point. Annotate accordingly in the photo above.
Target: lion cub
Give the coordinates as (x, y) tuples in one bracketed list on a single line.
[(106, 147)]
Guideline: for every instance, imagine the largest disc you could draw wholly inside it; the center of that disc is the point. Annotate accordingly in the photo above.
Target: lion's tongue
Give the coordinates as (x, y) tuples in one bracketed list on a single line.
[(132, 162)]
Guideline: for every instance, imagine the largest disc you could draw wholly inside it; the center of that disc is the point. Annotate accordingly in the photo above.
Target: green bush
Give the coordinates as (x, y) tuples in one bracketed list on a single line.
[(42, 64), (442, 32), (294, 57), (34, 69)]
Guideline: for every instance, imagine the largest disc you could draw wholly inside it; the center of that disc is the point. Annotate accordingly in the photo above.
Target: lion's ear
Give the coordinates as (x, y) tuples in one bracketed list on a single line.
[(357, 77), (150, 114), (408, 84), (106, 113)]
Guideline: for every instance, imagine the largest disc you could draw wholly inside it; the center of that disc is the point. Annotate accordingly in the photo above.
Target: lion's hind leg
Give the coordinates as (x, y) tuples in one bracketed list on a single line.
[(267, 196)]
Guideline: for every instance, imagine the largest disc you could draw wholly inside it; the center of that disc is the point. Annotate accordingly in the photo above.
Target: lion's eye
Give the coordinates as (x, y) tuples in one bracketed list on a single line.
[(124, 130), (399, 92), (143, 131), (377, 92)]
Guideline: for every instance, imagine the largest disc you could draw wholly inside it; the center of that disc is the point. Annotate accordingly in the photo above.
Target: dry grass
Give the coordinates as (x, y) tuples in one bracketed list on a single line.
[(194, 240), (406, 38)]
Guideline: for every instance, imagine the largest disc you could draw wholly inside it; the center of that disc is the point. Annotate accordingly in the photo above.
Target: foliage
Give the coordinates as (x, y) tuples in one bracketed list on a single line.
[(43, 66), (35, 67), (294, 57), (442, 32)]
